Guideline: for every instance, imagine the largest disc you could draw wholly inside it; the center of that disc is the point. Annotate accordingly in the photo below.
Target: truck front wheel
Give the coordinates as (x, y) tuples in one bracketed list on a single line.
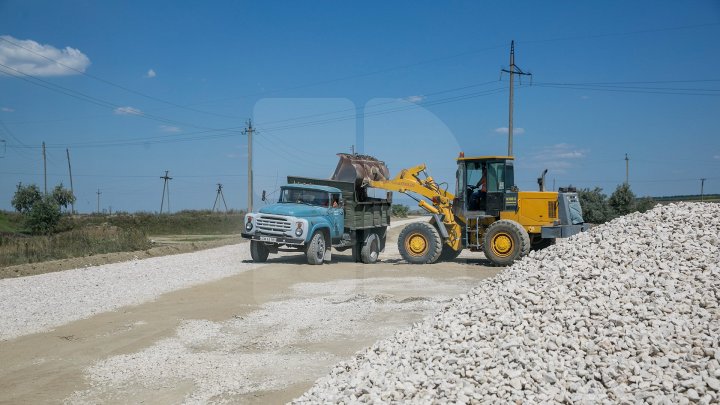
[(316, 249), (258, 251)]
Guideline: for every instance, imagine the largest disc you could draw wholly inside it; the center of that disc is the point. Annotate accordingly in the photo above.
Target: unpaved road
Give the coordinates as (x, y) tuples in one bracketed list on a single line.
[(261, 336)]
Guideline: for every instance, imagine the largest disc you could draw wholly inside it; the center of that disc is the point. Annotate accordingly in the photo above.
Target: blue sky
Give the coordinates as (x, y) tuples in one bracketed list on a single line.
[(145, 87)]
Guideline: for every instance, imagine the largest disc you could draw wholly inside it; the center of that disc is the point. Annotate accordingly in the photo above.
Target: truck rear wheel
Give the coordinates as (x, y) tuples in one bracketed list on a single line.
[(316, 249), (371, 249), (420, 243), (505, 241), (258, 251)]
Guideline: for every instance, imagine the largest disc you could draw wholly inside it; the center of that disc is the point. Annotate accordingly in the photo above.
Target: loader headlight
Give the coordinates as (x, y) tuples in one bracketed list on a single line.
[(299, 229)]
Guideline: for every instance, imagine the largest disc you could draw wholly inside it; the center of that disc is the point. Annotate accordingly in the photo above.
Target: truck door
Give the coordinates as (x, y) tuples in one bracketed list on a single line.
[(337, 215)]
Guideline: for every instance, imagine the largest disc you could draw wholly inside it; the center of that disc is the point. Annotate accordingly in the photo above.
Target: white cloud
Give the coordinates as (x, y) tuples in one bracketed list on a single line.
[(716, 157), (29, 57), (7, 109), (585, 97), (169, 128), (558, 158), (415, 99), (504, 130), (150, 74), (127, 111)]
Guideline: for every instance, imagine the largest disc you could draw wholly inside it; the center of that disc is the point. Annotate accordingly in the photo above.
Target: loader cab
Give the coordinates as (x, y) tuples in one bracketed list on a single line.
[(485, 185)]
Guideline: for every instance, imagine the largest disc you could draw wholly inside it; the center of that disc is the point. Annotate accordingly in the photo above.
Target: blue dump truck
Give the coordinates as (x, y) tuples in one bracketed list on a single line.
[(315, 215)]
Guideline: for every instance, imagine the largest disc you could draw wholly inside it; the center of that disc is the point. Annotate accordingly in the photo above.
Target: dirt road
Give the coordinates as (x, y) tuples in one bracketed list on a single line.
[(261, 336)]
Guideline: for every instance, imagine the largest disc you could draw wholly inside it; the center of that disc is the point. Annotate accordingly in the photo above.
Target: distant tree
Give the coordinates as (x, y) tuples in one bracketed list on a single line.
[(44, 216), (594, 205), (644, 204), (399, 210), (622, 200), (62, 196), (25, 197), (41, 213)]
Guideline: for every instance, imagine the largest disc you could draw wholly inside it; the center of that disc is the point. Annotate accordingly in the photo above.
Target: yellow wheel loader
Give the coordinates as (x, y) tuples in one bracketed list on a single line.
[(486, 212)]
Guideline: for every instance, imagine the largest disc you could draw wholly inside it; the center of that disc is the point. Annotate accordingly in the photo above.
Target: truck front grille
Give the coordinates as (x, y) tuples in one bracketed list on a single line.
[(274, 225)]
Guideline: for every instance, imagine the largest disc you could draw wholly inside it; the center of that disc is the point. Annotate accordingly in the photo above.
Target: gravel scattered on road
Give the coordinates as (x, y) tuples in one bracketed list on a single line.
[(627, 312)]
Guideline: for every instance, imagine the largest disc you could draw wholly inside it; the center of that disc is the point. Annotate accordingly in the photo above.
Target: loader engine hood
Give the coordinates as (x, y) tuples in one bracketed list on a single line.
[(295, 210)]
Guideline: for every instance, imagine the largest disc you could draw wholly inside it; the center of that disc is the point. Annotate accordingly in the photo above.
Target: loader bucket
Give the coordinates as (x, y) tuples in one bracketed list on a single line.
[(359, 169)]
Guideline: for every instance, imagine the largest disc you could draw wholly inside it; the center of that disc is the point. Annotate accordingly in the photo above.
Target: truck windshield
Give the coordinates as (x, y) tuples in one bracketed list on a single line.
[(304, 196)]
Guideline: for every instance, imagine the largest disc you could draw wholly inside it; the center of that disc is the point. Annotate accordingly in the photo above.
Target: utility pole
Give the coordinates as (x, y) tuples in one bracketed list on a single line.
[(72, 205), (627, 170), (513, 70), (702, 189), (352, 149), (44, 166), (98, 201), (219, 195), (166, 186), (249, 132)]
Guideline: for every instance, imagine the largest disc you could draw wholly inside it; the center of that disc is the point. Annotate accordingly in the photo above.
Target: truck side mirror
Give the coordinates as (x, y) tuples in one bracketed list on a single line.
[(263, 195)]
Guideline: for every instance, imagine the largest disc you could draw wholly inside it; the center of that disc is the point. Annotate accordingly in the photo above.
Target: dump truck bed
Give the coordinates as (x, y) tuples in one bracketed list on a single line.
[(361, 211)]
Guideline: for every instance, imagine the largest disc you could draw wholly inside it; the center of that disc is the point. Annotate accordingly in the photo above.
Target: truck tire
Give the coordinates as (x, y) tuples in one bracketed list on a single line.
[(449, 254), (505, 241), (316, 249), (371, 249), (420, 243), (258, 251)]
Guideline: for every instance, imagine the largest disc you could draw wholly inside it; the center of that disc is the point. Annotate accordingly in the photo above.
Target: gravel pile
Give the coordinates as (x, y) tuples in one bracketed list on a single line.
[(627, 312)]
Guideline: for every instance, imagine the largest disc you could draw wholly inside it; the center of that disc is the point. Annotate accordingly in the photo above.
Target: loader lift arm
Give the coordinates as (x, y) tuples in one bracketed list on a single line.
[(409, 181)]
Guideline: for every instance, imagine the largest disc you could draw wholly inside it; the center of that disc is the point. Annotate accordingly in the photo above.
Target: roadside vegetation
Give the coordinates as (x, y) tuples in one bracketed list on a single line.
[(39, 230), (598, 208)]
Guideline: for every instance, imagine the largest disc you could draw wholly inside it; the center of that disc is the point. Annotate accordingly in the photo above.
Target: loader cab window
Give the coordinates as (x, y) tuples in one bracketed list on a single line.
[(500, 177)]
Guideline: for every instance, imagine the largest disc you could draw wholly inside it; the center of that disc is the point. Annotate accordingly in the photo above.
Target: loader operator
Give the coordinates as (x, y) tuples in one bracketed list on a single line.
[(479, 192)]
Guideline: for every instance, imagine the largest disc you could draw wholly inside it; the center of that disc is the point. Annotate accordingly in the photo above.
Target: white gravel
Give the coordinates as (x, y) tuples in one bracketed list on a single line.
[(625, 313), (40, 303)]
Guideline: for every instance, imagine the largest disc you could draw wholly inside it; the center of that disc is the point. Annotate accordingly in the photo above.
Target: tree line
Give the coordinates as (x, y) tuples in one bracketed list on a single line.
[(599, 208)]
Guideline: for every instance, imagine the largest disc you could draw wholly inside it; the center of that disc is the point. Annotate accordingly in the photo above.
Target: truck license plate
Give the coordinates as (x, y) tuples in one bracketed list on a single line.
[(268, 239)]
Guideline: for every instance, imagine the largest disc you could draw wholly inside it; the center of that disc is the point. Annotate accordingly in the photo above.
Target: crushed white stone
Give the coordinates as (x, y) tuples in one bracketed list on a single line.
[(625, 313)]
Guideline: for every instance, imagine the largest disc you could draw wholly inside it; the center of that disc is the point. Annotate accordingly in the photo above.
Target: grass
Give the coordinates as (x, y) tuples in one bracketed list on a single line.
[(84, 235), (90, 240)]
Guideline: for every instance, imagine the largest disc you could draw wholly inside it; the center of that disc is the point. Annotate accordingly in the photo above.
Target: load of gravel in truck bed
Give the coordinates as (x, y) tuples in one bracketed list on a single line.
[(626, 312)]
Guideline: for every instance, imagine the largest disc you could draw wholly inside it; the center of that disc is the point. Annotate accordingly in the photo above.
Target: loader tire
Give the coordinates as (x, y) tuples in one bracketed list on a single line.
[(505, 241), (258, 251), (371, 249), (315, 252), (420, 243), (449, 254)]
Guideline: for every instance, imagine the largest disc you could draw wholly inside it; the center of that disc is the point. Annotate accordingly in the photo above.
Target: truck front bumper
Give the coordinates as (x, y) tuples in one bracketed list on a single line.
[(274, 239), (563, 231)]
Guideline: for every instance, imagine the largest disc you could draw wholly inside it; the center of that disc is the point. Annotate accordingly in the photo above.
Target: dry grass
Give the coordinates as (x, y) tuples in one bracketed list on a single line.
[(86, 241)]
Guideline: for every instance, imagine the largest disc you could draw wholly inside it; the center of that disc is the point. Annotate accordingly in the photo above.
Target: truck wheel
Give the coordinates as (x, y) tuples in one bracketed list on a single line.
[(371, 249), (505, 241), (316, 249), (449, 254), (420, 243), (258, 251)]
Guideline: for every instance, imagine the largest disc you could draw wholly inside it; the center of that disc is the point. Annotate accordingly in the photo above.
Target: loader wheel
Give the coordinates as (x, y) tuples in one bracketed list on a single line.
[(316, 249), (258, 251), (449, 254), (371, 249), (505, 241), (420, 243)]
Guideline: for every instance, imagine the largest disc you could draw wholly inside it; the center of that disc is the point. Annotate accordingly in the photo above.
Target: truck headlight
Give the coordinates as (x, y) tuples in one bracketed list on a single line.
[(249, 224), (299, 229)]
